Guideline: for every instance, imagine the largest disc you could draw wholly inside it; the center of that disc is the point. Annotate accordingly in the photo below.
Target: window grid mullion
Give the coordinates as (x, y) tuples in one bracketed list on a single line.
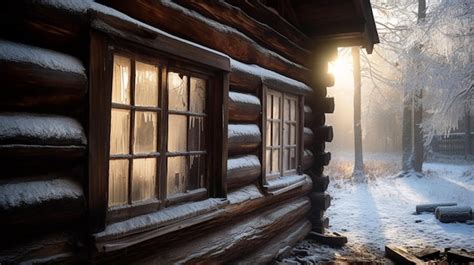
[(158, 134), (282, 127), (132, 130), (164, 141)]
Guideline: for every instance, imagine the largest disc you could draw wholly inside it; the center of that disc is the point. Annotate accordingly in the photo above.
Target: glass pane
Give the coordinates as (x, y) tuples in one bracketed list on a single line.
[(293, 134), (198, 95), (275, 160), (286, 134), (276, 134), (145, 132), (177, 91), (121, 80), (286, 158), (177, 176), (269, 133), (287, 109), (293, 158), (118, 182), (143, 179), (119, 132), (293, 110), (177, 133), (146, 85), (196, 137), (269, 106), (276, 107), (196, 172), (268, 160)]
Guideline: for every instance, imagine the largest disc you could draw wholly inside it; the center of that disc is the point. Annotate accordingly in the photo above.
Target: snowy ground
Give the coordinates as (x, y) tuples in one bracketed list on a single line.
[(381, 211)]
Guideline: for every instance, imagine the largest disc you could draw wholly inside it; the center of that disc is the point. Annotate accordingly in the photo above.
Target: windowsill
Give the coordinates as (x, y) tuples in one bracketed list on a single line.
[(135, 230), (286, 183)]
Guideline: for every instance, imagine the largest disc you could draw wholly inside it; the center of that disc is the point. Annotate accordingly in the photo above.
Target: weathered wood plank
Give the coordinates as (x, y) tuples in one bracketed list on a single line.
[(401, 256), (331, 239)]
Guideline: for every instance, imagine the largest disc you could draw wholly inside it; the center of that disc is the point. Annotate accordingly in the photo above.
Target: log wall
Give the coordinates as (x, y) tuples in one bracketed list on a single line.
[(44, 108)]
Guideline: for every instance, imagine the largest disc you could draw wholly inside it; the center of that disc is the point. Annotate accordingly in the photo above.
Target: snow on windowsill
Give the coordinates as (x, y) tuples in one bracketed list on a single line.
[(161, 218), (244, 98), (236, 130), (17, 52), (293, 181), (247, 193), (32, 193)]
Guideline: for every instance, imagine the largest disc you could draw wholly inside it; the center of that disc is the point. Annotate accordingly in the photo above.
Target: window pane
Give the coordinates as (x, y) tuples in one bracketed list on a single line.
[(268, 160), (120, 132), (146, 85), (286, 158), (177, 175), (276, 134), (121, 80), (145, 132), (196, 172), (118, 182), (269, 133), (293, 134), (177, 91), (275, 160), (196, 135), (293, 110), (286, 134), (143, 179), (198, 95), (177, 133), (269, 106), (287, 109), (293, 158), (276, 107)]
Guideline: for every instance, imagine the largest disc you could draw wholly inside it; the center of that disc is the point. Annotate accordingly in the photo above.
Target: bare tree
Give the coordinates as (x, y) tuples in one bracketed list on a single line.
[(359, 162)]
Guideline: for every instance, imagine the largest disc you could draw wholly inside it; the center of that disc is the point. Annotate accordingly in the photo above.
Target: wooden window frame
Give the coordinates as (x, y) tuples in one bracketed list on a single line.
[(102, 49), (299, 133)]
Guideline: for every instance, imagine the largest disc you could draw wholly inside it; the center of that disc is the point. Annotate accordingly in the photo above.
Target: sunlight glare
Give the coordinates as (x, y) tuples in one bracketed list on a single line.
[(341, 68)]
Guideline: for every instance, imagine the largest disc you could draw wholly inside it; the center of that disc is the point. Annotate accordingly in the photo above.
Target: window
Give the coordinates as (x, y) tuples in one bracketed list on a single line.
[(282, 130), (158, 126)]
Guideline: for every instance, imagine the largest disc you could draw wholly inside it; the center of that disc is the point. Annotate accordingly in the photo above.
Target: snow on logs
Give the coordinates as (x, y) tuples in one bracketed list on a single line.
[(37, 77), (243, 107), (40, 135), (308, 137), (43, 201), (242, 170), (430, 208), (243, 138)]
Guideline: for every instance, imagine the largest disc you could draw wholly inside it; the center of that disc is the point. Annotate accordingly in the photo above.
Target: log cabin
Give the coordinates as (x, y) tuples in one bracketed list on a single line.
[(167, 131)]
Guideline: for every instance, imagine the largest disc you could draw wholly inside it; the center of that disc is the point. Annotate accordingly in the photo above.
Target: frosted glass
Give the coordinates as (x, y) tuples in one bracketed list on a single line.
[(275, 160), (146, 85), (121, 80), (286, 134), (196, 137), (276, 134), (293, 110), (143, 179), (177, 91), (145, 132), (177, 135), (120, 132), (287, 109), (198, 95), (269, 133), (276, 107), (286, 158), (292, 158), (269, 106), (268, 160), (293, 134), (118, 182), (196, 172), (177, 175)]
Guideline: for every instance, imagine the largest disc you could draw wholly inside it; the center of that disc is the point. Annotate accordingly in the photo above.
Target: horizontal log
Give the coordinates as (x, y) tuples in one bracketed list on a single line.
[(227, 14), (401, 256), (262, 13), (320, 200), (276, 246), (308, 137), (430, 208), (308, 115), (461, 256), (449, 214), (243, 81), (323, 134), (172, 18), (243, 138), (40, 202), (230, 242), (242, 171), (307, 161), (320, 183), (244, 107), (322, 159), (325, 105)]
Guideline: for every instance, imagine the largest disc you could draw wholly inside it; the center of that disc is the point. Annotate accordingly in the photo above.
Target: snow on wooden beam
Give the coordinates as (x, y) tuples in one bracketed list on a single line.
[(286, 183), (172, 17), (242, 171), (265, 35), (243, 138), (244, 107), (45, 201), (276, 246), (229, 243)]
